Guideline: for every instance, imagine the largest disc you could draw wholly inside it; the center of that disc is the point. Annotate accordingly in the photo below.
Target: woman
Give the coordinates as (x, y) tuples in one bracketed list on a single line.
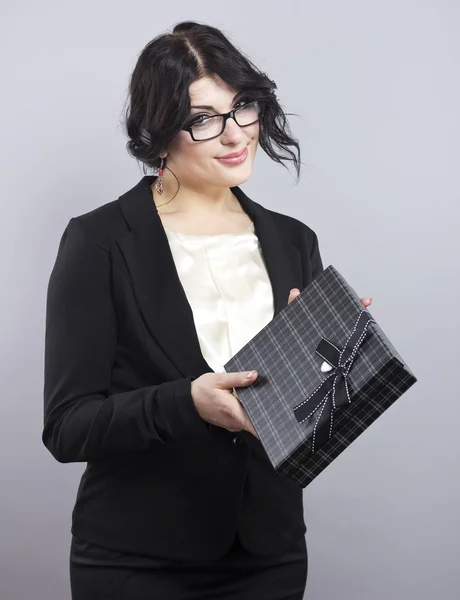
[(149, 296)]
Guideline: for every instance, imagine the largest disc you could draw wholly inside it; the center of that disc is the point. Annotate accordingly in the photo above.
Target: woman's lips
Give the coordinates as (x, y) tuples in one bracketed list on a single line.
[(235, 160)]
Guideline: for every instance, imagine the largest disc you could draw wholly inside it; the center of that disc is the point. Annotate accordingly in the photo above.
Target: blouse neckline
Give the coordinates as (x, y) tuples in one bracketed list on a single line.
[(249, 229)]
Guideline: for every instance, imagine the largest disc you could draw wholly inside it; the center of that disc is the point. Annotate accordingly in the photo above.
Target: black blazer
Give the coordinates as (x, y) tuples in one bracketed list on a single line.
[(121, 350)]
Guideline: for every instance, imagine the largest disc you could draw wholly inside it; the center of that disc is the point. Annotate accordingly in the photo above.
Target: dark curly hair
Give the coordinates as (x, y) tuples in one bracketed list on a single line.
[(159, 101)]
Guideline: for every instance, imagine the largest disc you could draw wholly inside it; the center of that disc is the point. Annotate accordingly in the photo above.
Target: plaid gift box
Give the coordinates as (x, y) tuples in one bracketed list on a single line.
[(326, 371)]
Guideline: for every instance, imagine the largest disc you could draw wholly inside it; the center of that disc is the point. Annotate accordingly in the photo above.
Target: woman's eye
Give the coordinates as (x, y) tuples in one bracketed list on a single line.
[(199, 119), (240, 104)]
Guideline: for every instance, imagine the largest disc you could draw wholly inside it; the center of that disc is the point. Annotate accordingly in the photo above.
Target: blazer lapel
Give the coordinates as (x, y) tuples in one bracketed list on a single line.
[(161, 297)]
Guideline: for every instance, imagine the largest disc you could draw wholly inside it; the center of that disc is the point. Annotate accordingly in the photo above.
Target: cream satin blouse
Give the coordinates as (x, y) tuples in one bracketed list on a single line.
[(227, 286)]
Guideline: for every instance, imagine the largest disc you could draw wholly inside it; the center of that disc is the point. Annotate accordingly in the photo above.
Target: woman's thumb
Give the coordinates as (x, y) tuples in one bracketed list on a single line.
[(249, 377), (240, 378)]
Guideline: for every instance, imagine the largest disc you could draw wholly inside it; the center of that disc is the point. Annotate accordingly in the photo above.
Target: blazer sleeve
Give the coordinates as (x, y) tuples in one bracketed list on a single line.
[(82, 421), (315, 257), (312, 264)]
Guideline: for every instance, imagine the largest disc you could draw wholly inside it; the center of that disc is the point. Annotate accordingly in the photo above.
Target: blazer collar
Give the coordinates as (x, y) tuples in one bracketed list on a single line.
[(161, 297)]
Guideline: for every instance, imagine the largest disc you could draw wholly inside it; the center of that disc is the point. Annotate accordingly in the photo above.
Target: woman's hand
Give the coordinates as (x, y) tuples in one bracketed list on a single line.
[(295, 292), (216, 404)]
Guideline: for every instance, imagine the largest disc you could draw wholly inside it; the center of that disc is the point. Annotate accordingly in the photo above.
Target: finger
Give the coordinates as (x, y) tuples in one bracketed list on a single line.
[(366, 301), (292, 294), (242, 416), (248, 423), (226, 381), (250, 427)]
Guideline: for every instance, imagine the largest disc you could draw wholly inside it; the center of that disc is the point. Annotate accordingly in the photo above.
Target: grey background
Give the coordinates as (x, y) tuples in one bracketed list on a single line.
[(377, 92)]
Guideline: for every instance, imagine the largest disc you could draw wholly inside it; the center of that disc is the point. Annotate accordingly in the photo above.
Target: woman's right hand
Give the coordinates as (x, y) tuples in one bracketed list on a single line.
[(216, 404)]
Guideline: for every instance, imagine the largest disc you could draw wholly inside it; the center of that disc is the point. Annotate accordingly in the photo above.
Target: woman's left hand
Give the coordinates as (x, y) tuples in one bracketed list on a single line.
[(295, 292)]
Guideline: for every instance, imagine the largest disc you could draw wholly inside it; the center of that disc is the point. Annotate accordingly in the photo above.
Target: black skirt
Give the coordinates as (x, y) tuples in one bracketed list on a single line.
[(101, 574)]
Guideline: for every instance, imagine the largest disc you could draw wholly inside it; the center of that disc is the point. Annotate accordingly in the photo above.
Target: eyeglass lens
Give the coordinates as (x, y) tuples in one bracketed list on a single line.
[(212, 126)]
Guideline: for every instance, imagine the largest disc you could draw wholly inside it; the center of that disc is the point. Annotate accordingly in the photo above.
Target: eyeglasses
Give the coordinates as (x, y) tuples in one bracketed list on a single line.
[(207, 128)]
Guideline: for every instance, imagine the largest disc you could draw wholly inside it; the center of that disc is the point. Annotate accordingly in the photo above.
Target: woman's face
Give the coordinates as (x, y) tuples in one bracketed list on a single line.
[(194, 163)]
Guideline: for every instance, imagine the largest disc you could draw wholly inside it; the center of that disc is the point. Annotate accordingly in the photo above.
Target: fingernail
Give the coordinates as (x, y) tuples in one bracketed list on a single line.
[(250, 374)]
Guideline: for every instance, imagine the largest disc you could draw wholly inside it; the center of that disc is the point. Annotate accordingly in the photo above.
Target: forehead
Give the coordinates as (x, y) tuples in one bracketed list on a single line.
[(211, 90)]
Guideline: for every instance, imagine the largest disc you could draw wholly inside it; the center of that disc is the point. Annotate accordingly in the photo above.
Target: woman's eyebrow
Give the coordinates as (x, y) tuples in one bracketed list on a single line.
[(207, 107), (204, 106)]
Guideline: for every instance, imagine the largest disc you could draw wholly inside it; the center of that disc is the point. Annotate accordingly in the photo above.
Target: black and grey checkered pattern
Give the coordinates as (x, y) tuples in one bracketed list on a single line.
[(283, 353)]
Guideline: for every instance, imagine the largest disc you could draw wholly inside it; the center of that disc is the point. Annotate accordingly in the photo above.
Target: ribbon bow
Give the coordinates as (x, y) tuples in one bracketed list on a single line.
[(322, 401)]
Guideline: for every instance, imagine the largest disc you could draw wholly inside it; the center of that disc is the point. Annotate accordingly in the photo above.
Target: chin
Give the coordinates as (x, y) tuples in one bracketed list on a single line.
[(243, 179), (238, 175)]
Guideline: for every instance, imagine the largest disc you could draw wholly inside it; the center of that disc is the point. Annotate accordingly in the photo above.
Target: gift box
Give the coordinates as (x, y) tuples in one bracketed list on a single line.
[(326, 372)]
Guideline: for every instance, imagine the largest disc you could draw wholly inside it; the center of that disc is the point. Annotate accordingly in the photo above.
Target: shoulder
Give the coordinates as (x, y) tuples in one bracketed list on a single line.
[(294, 231), (99, 225)]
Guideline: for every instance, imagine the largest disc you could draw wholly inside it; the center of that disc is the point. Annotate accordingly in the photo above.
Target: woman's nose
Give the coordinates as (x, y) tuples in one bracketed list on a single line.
[(232, 130)]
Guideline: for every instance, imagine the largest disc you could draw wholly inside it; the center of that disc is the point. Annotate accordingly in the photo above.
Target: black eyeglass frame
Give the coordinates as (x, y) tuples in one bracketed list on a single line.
[(228, 115)]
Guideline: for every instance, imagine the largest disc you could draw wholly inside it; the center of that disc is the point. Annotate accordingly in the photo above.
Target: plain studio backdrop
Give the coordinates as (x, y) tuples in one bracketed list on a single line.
[(376, 93)]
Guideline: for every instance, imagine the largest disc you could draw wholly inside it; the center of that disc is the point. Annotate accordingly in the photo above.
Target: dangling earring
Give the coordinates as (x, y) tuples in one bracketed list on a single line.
[(159, 183)]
